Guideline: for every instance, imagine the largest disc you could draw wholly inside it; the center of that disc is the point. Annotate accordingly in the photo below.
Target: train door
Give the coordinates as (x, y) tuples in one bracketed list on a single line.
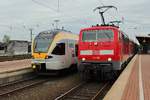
[(59, 54), (70, 53), (125, 47), (71, 48), (76, 53), (120, 46), (74, 49)]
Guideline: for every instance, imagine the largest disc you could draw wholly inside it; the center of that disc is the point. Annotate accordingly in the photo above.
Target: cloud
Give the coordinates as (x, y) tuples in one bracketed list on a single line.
[(73, 15)]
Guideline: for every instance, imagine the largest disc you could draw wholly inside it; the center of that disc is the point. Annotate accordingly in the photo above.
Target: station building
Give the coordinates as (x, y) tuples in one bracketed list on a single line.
[(144, 43), (15, 47)]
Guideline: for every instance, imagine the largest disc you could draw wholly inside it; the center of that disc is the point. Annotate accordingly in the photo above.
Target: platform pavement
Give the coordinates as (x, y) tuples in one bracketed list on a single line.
[(134, 81), (15, 70), (8, 66)]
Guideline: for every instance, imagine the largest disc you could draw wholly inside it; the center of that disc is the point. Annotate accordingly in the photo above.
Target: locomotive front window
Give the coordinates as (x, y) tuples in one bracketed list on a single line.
[(42, 44), (105, 35), (89, 36), (97, 35)]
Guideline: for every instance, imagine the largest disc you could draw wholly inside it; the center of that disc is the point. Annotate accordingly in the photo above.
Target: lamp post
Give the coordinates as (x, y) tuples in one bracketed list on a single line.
[(31, 33), (56, 22)]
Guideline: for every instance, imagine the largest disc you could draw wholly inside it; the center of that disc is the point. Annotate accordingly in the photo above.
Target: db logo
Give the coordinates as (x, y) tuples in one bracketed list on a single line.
[(95, 52)]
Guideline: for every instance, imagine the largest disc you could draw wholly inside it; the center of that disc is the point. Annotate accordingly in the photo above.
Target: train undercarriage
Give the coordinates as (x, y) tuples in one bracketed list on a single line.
[(100, 72)]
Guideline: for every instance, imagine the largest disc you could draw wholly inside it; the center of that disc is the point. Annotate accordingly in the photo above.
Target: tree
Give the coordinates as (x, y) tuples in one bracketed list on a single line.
[(6, 39)]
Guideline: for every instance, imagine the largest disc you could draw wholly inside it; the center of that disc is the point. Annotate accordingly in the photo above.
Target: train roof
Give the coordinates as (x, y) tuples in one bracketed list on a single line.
[(101, 26), (54, 31), (50, 33), (144, 35), (143, 39)]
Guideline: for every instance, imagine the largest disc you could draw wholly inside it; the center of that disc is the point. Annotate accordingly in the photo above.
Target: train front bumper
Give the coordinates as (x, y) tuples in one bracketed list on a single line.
[(113, 65), (47, 64)]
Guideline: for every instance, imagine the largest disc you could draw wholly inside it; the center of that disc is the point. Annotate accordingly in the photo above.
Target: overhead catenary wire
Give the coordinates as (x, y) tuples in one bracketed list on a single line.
[(101, 2), (44, 5), (64, 16), (125, 20), (56, 10)]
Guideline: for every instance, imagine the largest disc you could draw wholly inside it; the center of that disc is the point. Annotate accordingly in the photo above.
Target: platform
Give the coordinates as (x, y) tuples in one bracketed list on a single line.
[(14, 70), (14, 65), (134, 81)]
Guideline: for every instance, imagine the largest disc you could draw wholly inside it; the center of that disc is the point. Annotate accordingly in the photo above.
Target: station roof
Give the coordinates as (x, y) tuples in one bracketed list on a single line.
[(143, 39)]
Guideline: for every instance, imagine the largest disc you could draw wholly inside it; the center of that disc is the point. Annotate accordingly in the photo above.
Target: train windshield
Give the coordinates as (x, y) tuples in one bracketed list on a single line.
[(97, 35), (42, 44)]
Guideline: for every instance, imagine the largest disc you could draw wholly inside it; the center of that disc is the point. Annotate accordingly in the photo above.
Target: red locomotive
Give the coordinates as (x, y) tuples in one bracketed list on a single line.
[(103, 49)]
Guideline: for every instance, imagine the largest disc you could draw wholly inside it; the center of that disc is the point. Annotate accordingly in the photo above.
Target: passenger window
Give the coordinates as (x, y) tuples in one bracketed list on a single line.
[(71, 45), (59, 49)]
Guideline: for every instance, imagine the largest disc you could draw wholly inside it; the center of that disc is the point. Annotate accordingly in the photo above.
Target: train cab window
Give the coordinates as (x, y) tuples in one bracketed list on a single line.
[(105, 35), (126, 38), (59, 49), (76, 50), (123, 37), (89, 36), (97, 35), (120, 36)]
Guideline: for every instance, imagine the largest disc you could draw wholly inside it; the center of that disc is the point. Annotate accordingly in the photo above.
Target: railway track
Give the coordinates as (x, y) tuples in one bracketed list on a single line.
[(85, 91), (14, 87), (14, 57)]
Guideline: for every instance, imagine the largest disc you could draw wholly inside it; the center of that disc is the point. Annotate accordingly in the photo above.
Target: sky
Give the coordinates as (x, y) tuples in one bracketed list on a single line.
[(18, 16)]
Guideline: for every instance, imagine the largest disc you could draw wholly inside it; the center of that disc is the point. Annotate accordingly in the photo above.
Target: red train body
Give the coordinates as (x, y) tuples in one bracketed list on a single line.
[(103, 48)]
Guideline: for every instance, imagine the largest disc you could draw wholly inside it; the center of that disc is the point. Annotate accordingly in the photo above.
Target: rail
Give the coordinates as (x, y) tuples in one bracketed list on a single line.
[(86, 91), (15, 57), (20, 85)]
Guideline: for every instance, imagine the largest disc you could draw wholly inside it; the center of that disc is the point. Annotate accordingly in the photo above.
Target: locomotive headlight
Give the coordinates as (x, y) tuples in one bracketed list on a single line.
[(83, 59), (109, 59), (95, 43)]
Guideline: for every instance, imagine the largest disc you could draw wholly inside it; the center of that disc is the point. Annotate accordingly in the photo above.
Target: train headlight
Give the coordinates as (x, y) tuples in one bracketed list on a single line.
[(109, 59), (83, 59), (33, 66), (95, 43), (32, 57), (46, 56)]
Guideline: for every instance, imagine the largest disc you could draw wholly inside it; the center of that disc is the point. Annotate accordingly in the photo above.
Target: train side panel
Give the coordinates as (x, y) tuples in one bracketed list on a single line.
[(60, 55), (103, 50)]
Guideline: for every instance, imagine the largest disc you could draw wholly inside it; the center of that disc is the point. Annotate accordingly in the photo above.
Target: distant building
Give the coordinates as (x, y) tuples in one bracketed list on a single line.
[(144, 41), (18, 47), (2, 48)]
